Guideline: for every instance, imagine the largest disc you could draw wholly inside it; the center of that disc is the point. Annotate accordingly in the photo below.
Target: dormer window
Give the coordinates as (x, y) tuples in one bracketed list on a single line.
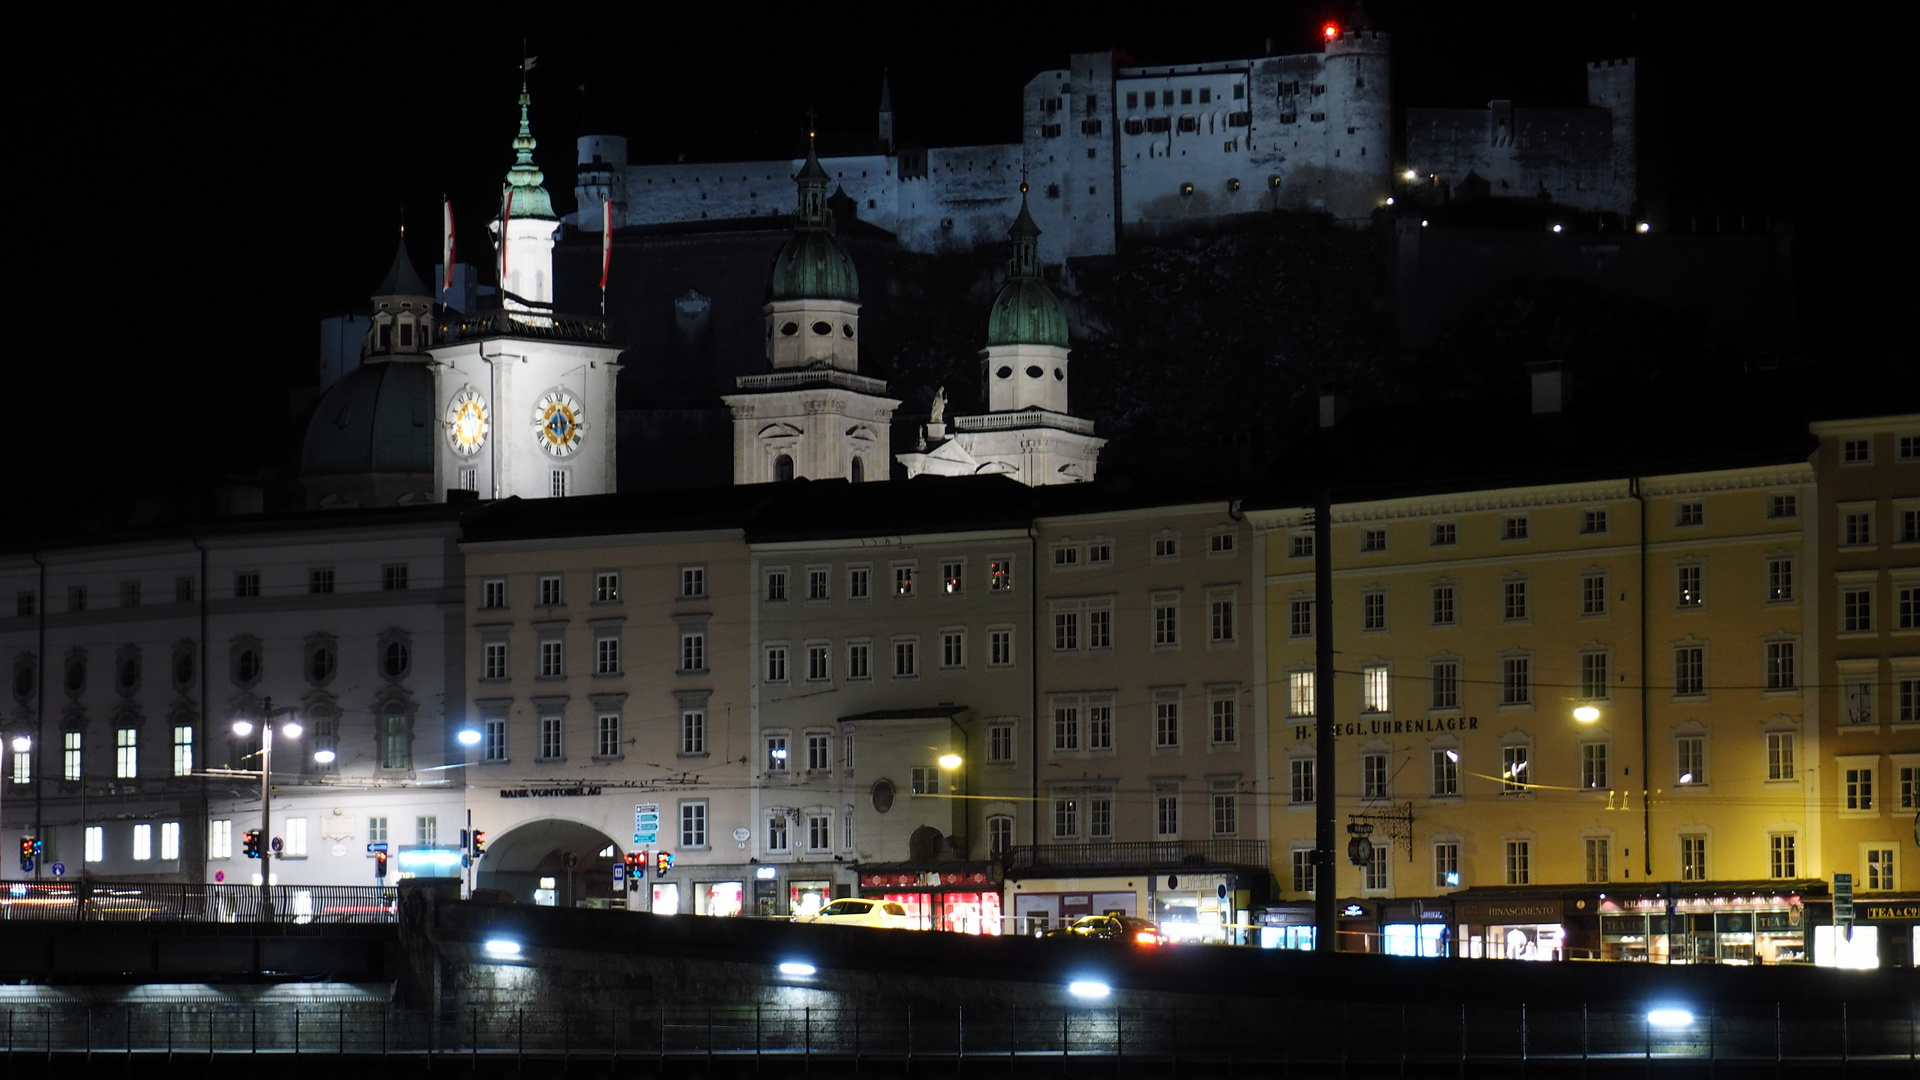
[(406, 335)]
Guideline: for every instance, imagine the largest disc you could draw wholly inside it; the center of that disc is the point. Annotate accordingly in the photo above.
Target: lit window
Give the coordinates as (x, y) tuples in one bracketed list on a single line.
[(1446, 773), (1376, 689), (1514, 766)]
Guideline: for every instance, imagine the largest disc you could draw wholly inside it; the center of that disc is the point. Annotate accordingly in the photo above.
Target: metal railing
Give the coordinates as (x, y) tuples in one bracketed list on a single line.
[(1170, 854), (1359, 1038), (527, 323), (180, 902)]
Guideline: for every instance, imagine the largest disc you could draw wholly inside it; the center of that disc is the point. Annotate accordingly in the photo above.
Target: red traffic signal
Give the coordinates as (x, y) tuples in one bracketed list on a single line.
[(380, 864), (250, 843), (662, 863)]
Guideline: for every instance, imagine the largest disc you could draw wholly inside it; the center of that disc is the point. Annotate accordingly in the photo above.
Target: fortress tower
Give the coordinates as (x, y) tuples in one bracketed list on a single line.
[(814, 415), (1027, 433)]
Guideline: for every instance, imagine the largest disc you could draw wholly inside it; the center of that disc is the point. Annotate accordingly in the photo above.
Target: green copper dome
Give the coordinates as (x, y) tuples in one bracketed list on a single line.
[(1026, 312), (812, 265), (525, 197)]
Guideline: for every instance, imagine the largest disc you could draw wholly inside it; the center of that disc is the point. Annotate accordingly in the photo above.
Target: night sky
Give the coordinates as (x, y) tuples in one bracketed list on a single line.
[(200, 189)]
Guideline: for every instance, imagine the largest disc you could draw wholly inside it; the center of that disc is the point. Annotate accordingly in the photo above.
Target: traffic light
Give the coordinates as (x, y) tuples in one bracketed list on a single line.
[(380, 865), (250, 843), (662, 863), (479, 844), (28, 848)]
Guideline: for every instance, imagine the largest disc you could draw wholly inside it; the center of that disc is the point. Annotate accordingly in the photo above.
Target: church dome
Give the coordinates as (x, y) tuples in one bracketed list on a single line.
[(1027, 313), (379, 419), (813, 266)]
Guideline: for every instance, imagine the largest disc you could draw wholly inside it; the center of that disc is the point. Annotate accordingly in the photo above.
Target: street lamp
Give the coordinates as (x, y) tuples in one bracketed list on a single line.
[(1586, 714), (290, 730)]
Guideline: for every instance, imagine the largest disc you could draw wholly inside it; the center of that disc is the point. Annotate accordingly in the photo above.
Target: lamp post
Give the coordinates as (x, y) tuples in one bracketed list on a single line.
[(292, 730)]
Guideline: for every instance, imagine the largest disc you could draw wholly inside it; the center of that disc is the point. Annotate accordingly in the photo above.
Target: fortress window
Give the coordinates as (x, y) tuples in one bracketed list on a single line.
[(1034, 371), (1318, 117), (1239, 91), (1133, 101), (1186, 97), (1091, 153), (1159, 123), (1049, 131), (1206, 95), (1360, 83), (1149, 99), (1288, 118), (1053, 191), (1189, 124), (1239, 119), (1093, 102), (1089, 127), (1135, 127)]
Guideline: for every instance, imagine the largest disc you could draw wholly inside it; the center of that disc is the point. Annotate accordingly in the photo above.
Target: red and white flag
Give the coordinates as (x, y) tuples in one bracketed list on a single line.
[(606, 240), (446, 250), (506, 215)]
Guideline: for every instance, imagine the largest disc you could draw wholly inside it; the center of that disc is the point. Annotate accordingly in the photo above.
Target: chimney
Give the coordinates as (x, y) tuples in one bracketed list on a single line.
[(1333, 405), (1551, 387)]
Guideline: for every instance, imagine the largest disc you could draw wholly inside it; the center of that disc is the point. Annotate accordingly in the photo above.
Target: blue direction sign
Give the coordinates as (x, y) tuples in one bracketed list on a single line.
[(26, 866), (374, 849), (59, 869), (646, 824)]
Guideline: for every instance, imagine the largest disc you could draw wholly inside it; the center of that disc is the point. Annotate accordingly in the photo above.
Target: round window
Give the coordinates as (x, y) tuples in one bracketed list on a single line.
[(322, 665), (183, 669), (76, 676), (1005, 372), (394, 662), (1060, 374), (846, 330), (882, 796), (246, 667), (1034, 371), (789, 329), (23, 683), (129, 673), (823, 328)]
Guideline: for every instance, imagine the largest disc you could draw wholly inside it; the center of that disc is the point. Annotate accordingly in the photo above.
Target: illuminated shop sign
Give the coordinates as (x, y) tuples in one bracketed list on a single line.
[(548, 793), (1431, 725)]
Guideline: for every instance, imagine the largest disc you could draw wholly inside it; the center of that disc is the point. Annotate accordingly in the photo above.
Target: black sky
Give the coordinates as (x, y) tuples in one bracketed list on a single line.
[(206, 185)]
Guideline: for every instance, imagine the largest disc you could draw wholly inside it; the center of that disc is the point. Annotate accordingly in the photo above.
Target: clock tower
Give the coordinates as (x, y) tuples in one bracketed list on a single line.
[(813, 415), (525, 395)]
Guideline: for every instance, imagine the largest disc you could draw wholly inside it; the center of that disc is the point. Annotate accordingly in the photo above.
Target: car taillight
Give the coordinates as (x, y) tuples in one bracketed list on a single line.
[(1147, 937)]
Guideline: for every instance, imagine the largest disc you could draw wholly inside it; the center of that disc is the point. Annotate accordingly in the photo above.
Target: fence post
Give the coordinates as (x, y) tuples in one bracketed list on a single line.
[(340, 1033), (959, 1036), (756, 1036), (1776, 1038), (709, 1038), (909, 1037), (806, 1045), (1063, 1034), (519, 1036), (1523, 1031), (296, 1031), (1846, 1050), (473, 1035), (1013, 1033)]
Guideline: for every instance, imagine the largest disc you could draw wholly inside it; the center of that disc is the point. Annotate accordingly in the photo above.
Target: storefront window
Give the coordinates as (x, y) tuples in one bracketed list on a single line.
[(807, 897), (1769, 935), (1416, 939), (1532, 941), (666, 898), (722, 898)]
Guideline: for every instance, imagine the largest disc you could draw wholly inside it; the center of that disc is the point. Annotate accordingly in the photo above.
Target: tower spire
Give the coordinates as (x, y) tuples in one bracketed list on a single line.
[(1025, 264), (812, 182)]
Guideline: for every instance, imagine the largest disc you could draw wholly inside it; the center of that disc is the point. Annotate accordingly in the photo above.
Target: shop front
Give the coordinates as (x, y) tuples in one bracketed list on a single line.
[(1726, 927), (1523, 926), (959, 898), (1287, 926), (1204, 907), (1896, 923), (1416, 927)]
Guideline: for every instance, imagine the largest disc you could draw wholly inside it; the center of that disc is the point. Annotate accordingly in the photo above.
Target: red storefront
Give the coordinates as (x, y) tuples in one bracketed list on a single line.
[(959, 898)]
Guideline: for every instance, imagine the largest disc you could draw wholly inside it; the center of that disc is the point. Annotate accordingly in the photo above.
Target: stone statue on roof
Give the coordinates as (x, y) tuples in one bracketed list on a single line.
[(937, 414)]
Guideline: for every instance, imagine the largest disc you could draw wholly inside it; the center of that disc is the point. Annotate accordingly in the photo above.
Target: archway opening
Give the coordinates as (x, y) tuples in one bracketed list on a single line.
[(553, 863), (783, 467)]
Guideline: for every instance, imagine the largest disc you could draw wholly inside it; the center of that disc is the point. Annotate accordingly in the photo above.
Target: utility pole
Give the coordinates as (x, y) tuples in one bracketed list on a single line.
[(266, 811), (1325, 915)]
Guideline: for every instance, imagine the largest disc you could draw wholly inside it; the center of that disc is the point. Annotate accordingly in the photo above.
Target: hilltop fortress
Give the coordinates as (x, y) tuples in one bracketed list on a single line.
[(1111, 150)]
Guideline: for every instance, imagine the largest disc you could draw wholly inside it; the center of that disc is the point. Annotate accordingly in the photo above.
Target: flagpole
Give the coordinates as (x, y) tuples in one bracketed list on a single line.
[(606, 249)]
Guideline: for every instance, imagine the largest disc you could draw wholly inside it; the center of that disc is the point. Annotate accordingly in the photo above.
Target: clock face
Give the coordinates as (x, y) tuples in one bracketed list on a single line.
[(559, 424), (467, 422)]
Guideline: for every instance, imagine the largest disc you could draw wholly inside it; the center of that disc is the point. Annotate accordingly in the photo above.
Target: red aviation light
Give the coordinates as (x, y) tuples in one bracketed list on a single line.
[(1330, 31)]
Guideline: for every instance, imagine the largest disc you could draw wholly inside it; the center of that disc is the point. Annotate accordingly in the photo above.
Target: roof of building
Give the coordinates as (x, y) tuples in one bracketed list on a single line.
[(812, 265), (1026, 312), (836, 509), (379, 419), (616, 515), (528, 199), (402, 279)]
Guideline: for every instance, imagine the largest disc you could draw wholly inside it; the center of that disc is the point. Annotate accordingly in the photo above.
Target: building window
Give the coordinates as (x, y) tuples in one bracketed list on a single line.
[(1226, 813), (1224, 711), (1687, 586), (1909, 787), (1599, 859), (1302, 870), (859, 582), (1514, 764), (999, 834), (1907, 613), (220, 839), (1100, 624), (1100, 818), (245, 584), (906, 658), (999, 648), (776, 753), (493, 740), (1780, 661), (818, 666), (1444, 683), (1300, 780), (1779, 580), (903, 581), (1514, 527), (1593, 765), (1856, 610), (182, 749), (693, 582), (607, 735), (1100, 552), (776, 586), (393, 578), (1374, 876), (1690, 671), (143, 842), (1000, 575), (550, 591), (693, 824), (606, 587), (182, 591), (1302, 547), (1300, 618), (693, 651), (777, 838), (1443, 611), (1376, 689), (1693, 858), (817, 583), (1783, 856), (1593, 522), (320, 580), (1373, 609), (1516, 680), (1099, 726), (1856, 528), (817, 753), (693, 731), (1856, 451), (776, 665), (1593, 594), (819, 832), (1446, 773), (71, 742), (25, 604), (1783, 506), (493, 594), (1690, 760), (1445, 534), (170, 841), (1300, 693), (1513, 600), (1166, 721), (126, 753), (426, 830), (1906, 701), (1881, 875), (552, 730), (1857, 787), (1519, 862), (1690, 513), (1000, 742), (1780, 755), (1166, 546), (1065, 556), (552, 660), (1166, 815), (1446, 865), (1166, 620), (559, 483), (1373, 540), (859, 659), (606, 656), (1220, 543), (1066, 727), (96, 844), (1373, 776), (1066, 819), (296, 840), (1593, 675)]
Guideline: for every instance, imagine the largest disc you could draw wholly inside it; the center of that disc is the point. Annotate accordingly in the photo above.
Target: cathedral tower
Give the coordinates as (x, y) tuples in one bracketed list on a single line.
[(814, 415), (525, 395), (1027, 432)]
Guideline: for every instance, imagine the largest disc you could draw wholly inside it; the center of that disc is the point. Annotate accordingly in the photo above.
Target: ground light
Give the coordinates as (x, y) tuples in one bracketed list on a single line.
[(1089, 989), (501, 947), (797, 967), (1669, 1018)]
